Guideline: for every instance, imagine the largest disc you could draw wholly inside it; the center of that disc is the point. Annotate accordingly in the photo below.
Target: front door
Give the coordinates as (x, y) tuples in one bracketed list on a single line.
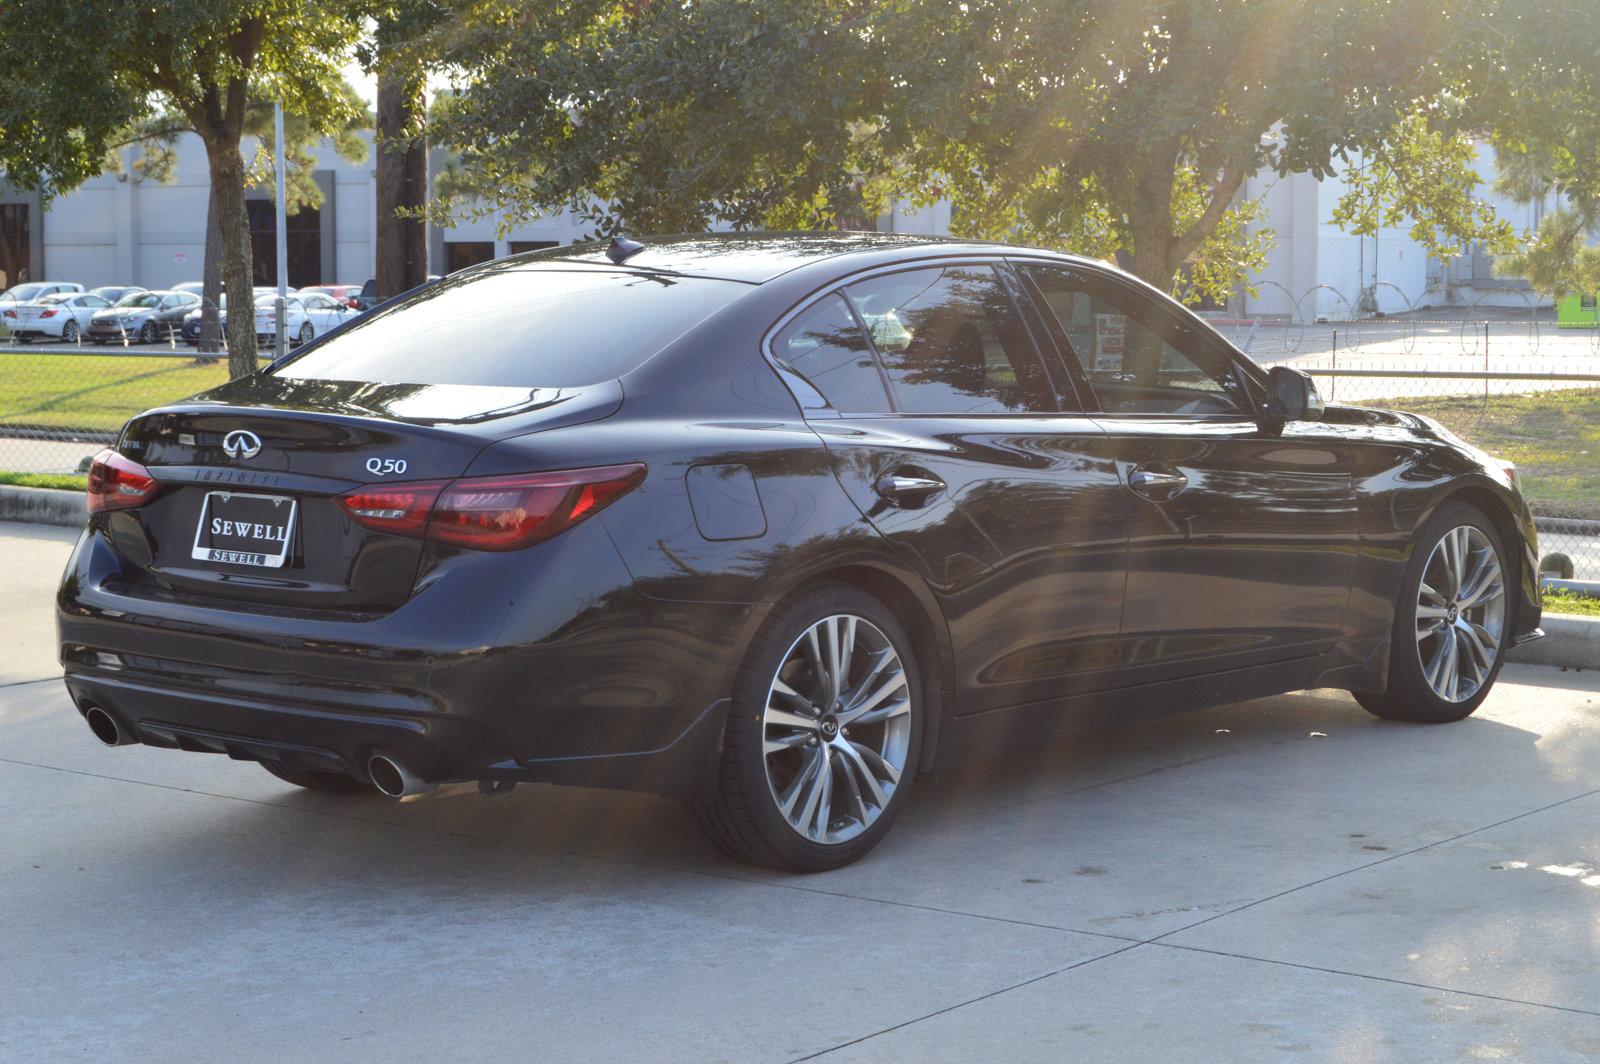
[(1242, 540), (952, 441)]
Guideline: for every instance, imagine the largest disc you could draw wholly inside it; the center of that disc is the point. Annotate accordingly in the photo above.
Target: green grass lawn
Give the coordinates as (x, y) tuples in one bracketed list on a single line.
[(64, 481), (1553, 437), (1558, 601), (74, 391)]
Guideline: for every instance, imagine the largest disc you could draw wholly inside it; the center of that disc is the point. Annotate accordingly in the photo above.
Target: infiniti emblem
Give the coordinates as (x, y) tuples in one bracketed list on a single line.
[(241, 443)]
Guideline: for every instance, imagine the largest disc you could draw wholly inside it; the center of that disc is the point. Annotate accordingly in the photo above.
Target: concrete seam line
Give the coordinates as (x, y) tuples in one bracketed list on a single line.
[(963, 1004), (1373, 864), (1368, 975), (24, 683), (43, 506)]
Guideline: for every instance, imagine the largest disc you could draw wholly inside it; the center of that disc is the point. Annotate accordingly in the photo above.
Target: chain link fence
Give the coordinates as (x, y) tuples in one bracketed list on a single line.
[(1496, 371)]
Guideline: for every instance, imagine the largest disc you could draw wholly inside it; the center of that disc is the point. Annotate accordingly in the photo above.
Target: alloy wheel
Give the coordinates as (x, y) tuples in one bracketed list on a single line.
[(1460, 613), (836, 730)]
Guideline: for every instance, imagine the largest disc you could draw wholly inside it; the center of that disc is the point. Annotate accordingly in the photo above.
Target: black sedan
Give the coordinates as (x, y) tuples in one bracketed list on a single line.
[(773, 525), (142, 317)]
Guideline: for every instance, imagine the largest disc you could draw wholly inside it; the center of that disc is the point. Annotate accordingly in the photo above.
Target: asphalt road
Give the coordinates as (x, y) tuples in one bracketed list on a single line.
[(1280, 879)]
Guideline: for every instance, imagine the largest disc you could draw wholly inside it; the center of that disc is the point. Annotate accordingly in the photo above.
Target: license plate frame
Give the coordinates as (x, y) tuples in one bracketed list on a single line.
[(204, 551)]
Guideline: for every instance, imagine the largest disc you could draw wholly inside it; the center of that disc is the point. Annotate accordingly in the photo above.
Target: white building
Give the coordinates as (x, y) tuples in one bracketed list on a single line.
[(119, 228), (1333, 274)]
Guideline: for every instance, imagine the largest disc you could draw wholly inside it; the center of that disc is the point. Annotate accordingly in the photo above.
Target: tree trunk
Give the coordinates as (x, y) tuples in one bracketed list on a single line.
[(211, 281), (227, 186), (402, 242)]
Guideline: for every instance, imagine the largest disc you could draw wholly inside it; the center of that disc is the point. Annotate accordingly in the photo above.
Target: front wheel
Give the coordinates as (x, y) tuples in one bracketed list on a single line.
[(307, 333), (823, 737), (1450, 631), (147, 333)]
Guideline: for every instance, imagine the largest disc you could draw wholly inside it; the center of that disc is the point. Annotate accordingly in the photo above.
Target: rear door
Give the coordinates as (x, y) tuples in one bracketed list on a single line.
[(1242, 539), (953, 441)]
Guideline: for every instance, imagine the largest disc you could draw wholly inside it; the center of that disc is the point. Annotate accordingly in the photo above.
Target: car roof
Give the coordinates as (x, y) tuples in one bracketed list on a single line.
[(753, 257)]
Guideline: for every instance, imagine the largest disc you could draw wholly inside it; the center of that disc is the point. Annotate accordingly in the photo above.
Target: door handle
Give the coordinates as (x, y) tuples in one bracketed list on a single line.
[(908, 489), (1155, 484)]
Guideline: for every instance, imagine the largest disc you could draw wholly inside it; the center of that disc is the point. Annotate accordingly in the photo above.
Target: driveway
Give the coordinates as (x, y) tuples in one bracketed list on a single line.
[(1284, 878)]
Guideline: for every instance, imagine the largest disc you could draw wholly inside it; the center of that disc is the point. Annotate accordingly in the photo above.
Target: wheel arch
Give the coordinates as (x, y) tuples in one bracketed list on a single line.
[(1493, 505)]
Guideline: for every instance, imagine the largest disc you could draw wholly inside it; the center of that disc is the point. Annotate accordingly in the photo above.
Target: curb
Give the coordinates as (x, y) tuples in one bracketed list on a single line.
[(43, 506), (1569, 642)]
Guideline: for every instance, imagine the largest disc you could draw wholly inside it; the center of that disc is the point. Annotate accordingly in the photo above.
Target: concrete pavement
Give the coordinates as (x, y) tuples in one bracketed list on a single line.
[(1283, 878)]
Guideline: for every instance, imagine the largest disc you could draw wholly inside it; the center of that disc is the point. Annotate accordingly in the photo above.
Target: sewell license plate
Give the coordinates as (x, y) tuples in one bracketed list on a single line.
[(244, 529)]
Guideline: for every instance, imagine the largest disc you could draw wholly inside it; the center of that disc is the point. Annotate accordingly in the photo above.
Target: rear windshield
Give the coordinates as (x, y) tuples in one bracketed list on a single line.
[(527, 328)]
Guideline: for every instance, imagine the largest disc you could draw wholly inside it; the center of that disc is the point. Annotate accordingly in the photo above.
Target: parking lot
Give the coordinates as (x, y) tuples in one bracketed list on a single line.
[(1284, 876)]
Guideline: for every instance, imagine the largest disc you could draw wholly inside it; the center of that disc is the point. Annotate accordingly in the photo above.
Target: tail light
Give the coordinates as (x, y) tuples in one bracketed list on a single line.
[(10, 313), (399, 509), (48, 313), (118, 483), (491, 513)]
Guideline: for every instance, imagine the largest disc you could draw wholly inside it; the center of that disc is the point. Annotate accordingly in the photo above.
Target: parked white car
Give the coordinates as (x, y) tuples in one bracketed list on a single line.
[(63, 316), (28, 291), (306, 316)]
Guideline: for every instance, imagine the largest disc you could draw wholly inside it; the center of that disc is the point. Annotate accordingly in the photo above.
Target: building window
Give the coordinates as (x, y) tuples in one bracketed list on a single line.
[(459, 254), (14, 249), (302, 238), (517, 247)]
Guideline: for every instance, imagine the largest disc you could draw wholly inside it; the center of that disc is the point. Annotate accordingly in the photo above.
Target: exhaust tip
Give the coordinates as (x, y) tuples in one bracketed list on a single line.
[(104, 726), (393, 779)]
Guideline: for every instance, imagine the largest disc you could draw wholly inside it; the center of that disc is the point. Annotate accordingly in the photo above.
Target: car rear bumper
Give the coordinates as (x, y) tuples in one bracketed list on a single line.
[(449, 685)]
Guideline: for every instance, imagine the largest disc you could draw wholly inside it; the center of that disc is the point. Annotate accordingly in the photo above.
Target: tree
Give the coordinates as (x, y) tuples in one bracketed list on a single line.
[(664, 117), (197, 58), (1113, 127), (1539, 106), (156, 138), (402, 49)]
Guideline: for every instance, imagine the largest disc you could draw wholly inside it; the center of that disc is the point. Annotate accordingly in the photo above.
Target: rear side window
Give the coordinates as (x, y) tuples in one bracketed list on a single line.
[(517, 328), (825, 346), (952, 342)]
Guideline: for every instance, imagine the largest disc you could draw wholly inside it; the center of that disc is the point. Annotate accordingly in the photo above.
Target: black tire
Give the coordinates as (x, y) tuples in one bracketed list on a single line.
[(307, 333), (147, 333), (321, 782), (1409, 696), (744, 820), (69, 332)]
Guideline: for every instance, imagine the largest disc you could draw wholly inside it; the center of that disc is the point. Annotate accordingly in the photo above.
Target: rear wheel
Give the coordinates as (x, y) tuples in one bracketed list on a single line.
[(69, 332), (823, 737), (147, 333), (307, 333), (1450, 630), (323, 782)]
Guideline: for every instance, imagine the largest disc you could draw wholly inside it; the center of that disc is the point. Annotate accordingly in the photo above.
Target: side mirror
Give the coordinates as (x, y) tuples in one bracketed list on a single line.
[(1292, 395)]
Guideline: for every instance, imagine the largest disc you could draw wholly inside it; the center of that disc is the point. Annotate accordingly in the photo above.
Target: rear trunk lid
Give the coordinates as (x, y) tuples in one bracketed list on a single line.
[(253, 470)]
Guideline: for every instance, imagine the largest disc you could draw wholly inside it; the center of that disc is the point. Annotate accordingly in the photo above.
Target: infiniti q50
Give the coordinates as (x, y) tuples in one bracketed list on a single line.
[(770, 524)]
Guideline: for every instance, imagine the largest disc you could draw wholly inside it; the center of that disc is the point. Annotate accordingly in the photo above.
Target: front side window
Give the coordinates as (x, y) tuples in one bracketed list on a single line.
[(952, 342), (1137, 355), (825, 346)]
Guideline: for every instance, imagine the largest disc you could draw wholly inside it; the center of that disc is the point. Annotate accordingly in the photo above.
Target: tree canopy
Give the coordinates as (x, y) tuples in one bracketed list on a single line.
[(207, 61), (1112, 127)]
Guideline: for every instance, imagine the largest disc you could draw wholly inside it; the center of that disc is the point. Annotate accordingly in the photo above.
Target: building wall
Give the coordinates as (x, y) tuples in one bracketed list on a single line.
[(120, 228)]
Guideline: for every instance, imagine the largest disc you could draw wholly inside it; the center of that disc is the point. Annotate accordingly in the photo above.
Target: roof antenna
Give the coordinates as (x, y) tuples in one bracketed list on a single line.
[(621, 249)]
